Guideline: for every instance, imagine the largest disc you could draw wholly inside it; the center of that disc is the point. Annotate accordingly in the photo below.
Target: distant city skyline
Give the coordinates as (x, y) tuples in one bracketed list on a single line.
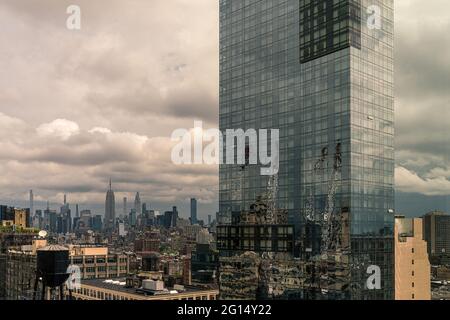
[(184, 207)]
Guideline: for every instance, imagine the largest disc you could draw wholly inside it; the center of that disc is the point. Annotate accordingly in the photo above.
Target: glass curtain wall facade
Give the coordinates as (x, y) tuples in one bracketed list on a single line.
[(322, 73)]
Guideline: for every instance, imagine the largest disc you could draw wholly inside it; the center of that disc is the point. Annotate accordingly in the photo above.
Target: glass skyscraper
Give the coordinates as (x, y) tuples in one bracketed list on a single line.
[(322, 73)]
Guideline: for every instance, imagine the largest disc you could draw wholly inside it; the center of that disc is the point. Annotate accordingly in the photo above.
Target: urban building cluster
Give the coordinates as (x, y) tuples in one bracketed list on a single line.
[(253, 256), (139, 254)]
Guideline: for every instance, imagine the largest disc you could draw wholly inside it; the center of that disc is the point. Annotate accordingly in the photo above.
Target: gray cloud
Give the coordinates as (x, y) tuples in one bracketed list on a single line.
[(423, 96), (134, 68)]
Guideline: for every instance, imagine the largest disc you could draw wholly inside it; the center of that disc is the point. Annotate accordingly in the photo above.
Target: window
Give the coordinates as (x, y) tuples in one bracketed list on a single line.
[(266, 245), (282, 245), (100, 260), (89, 260), (248, 231)]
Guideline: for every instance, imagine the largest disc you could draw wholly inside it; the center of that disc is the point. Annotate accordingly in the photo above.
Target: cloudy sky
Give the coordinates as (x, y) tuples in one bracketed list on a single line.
[(79, 107)]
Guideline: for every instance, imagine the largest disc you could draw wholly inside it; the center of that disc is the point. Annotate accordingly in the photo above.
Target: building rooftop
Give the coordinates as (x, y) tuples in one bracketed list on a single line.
[(436, 213), (119, 285), (54, 247)]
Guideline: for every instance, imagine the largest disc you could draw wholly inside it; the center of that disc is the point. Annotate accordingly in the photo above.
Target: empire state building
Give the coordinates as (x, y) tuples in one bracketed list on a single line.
[(110, 209)]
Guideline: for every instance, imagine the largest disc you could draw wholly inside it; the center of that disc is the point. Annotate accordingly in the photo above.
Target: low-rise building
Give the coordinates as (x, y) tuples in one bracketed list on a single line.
[(15, 216), (117, 289), (412, 267)]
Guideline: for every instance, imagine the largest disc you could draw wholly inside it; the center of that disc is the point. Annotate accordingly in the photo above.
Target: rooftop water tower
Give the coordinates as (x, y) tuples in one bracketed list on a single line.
[(52, 265)]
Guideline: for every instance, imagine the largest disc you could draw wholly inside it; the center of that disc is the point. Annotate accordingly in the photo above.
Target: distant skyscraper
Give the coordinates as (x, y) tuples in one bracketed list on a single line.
[(144, 208), (97, 223), (193, 211), (436, 231), (50, 219), (86, 219), (31, 203), (137, 205), (122, 231), (125, 213), (132, 217), (174, 216), (77, 212), (38, 220), (65, 218), (110, 209)]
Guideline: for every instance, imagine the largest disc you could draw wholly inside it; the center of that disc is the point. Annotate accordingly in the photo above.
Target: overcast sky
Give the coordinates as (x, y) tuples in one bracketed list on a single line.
[(78, 107)]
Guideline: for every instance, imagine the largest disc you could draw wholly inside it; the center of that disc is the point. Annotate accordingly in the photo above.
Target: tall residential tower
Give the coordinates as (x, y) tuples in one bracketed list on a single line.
[(31, 203), (137, 205), (110, 209), (125, 210), (322, 73)]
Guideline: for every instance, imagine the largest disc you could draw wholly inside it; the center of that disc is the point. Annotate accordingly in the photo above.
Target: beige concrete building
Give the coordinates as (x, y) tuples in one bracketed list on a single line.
[(7, 223), (116, 290), (20, 218), (97, 262), (88, 251), (412, 267)]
